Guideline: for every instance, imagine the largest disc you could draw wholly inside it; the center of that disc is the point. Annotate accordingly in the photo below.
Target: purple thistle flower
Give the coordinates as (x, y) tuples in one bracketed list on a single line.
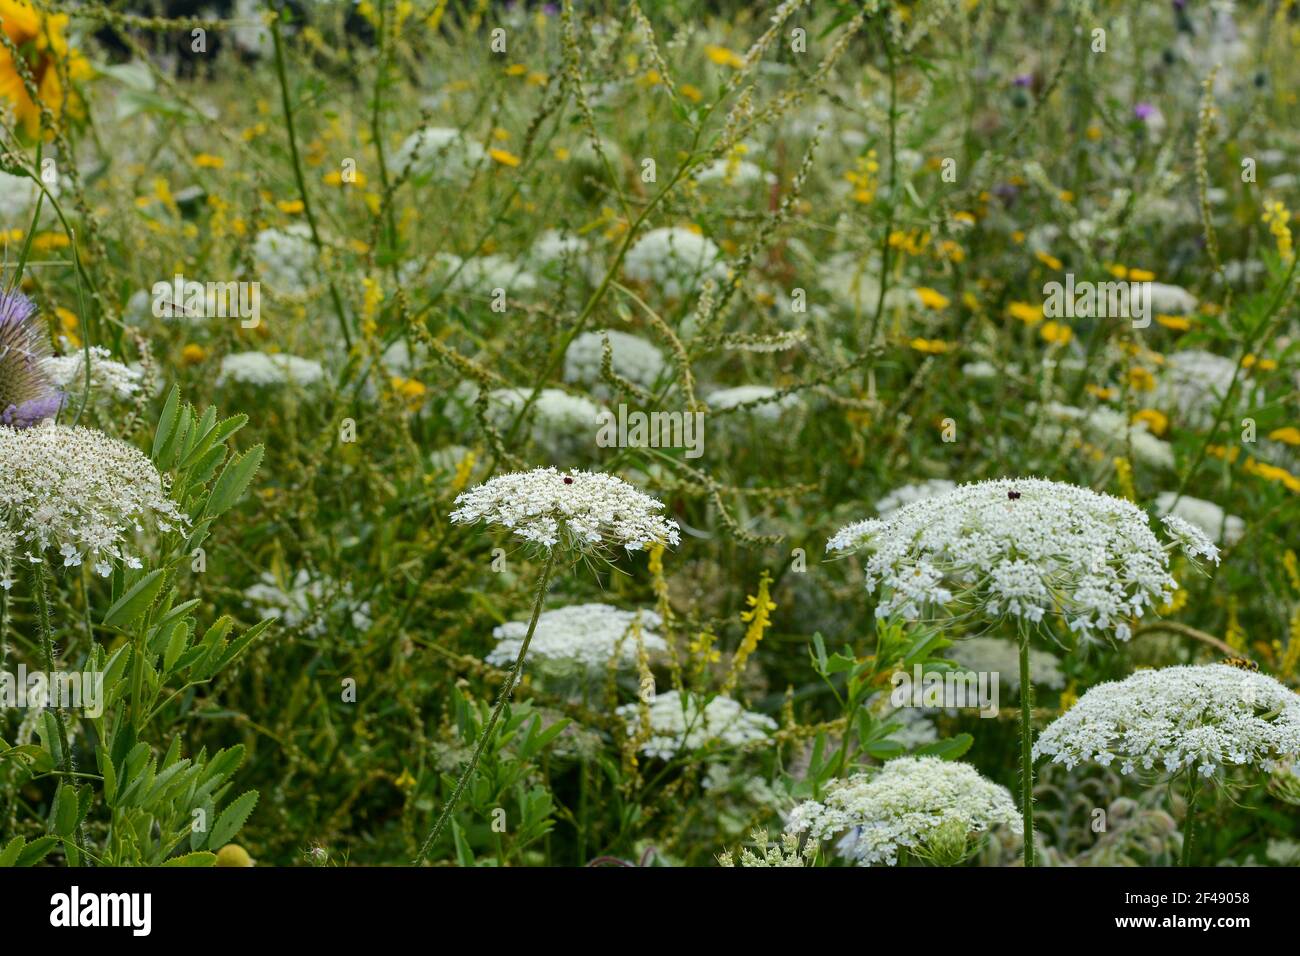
[(1144, 111), (1023, 80), (27, 396)]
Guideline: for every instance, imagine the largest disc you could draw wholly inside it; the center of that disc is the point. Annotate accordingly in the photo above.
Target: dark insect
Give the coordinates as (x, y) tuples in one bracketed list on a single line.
[(1013, 495), (1241, 662), (568, 480)]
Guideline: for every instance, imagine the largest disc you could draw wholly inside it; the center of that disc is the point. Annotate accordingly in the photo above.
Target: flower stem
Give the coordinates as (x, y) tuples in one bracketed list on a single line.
[(1189, 819), (47, 645), (506, 689), (1026, 758)]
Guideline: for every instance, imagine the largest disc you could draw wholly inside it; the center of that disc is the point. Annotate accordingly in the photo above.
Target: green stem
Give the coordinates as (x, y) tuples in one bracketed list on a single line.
[(1026, 754), (506, 689), (1189, 819), (47, 645)]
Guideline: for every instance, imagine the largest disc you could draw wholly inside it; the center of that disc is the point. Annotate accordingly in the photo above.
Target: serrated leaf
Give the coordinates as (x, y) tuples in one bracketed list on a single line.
[(234, 480), (134, 602), (167, 421), (9, 855), (200, 858), (232, 818)]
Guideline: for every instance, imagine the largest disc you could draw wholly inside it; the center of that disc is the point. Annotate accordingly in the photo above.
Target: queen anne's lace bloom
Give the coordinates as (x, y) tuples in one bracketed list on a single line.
[(906, 494), (579, 638), (1174, 718), (1023, 548), (992, 655), (904, 806), (440, 155), (633, 358), (674, 260), (1206, 515), (316, 602), (678, 726), (747, 395), (79, 492), (582, 509), (108, 379), (286, 258), (262, 368), (563, 424), (1193, 383)]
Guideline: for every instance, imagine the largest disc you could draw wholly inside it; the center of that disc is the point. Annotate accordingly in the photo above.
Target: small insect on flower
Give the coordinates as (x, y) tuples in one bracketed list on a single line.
[(1013, 495)]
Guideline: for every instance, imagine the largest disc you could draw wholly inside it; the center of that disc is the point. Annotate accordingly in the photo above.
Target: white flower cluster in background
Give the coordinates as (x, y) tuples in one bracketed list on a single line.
[(440, 155), (483, 275), (18, 201), (1206, 515), (854, 285), (579, 638), (1108, 429), (769, 411), (906, 494), (992, 655), (680, 725), (586, 510), (108, 378), (1171, 299), (903, 806), (633, 358), (274, 368), (674, 261), (286, 259), (1023, 548), (1176, 718), (303, 600), (1192, 383), (563, 424), (79, 492), (555, 254), (733, 172)]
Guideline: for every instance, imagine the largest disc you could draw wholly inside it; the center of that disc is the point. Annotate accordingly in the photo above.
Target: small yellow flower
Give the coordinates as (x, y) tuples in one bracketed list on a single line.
[(1141, 275), (1018, 237), (561, 154), (724, 57), (1179, 323), (930, 346), (516, 69), (691, 92), (290, 207), (1029, 314), (1100, 392), (1290, 434), (1048, 260), (504, 157), (335, 178), (930, 298), (1140, 379), (193, 354), (1156, 422), (1056, 333), (208, 161)]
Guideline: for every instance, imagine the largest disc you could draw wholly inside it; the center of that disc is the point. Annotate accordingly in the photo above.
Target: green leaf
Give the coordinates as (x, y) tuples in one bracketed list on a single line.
[(167, 422), (134, 602), (232, 818), (234, 480), (949, 749), (37, 850), (9, 855)]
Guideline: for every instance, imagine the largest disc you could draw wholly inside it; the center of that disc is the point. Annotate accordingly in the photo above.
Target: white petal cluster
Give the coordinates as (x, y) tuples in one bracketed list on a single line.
[(1171, 299), (633, 358), (483, 275), (1174, 718), (744, 394), (1206, 515), (901, 806), (680, 724), (854, 286), (286, 259), (579, 638), (269, 368), (992, 655), (79, 492), (441, 155), (17, 201), (302, 601), (1193, 383), (583, 510), (732, 172), (555, 254), (560, 422), (674, 260), (108, 378), (906, 494), (1108, 429), (1023, 548)]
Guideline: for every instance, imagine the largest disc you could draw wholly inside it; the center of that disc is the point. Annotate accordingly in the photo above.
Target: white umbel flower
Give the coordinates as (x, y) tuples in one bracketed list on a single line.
[(1171, 299), (992, 655), (674, 260), (582, 510), (562, 423), (680, 725), (1174, 718), (80, 493), (906, 494), (441, 155), (484, 275), (633, 358), (263, 368), (1021, 548), (286, 259), (1193, 384), (108, 378), (904, 806), (581, 638), (770, 409), (304, 602), (1206, 515)]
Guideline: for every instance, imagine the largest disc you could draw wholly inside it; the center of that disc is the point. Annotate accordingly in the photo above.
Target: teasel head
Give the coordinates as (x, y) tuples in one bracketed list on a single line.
[(27, 394)]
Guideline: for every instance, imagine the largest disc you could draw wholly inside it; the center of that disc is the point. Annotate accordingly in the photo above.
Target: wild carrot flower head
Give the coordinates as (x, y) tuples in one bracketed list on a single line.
[(27, 392), (1174, 718), (682, 724), (908, 804), (1021, 548), (581, 638), (78, 492), (582, 510)]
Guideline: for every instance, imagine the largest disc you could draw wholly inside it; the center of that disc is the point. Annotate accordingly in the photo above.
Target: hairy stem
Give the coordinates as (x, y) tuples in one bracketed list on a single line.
[(1026, 745)]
